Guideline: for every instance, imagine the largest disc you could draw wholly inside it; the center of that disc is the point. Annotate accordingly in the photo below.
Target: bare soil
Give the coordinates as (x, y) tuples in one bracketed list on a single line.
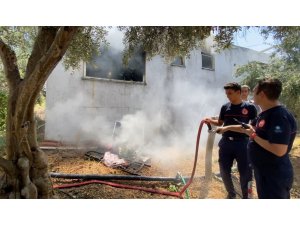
[(72, 161)]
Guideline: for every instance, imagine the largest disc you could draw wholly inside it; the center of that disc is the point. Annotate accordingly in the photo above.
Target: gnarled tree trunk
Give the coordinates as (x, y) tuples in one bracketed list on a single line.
[(25, 164)]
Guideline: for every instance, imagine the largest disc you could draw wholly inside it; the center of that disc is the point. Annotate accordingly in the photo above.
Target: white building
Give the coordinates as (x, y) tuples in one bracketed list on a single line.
[(170, 98)]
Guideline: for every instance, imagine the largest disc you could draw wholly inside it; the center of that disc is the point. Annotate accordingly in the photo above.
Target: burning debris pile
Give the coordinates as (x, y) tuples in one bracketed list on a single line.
[(120, 156), (128, 163)]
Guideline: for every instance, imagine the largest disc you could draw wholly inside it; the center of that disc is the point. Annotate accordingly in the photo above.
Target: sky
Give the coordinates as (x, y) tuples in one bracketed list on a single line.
[(254, 40)]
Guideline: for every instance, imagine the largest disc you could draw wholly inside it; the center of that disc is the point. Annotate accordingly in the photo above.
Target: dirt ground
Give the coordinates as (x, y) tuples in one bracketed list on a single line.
[(73, 161)]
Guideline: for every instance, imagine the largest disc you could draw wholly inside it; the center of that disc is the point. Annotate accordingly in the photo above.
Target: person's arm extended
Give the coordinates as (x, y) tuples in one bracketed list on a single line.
[(235, 128), (215, 122), (277, 149)]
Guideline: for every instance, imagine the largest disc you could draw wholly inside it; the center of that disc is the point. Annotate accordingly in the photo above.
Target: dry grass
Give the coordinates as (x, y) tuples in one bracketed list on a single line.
[(67, 161), (297, 141)]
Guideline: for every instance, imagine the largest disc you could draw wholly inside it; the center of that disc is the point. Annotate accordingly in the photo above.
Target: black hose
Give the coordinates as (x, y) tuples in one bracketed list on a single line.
[(115, 177)]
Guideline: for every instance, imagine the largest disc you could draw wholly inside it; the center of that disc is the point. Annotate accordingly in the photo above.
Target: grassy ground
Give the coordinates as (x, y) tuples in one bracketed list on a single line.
[(297, 141)]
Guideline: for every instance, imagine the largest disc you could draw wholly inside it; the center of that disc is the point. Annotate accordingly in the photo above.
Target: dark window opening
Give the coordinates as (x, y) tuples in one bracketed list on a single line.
[(178, 61), (207, 61), (109, 65)]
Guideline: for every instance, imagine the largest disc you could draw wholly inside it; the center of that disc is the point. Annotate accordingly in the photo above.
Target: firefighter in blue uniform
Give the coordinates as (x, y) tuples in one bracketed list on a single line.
[(271, 138), (233, 145)]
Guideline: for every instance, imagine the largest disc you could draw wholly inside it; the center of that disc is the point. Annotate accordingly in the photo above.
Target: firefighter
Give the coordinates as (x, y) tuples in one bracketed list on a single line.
[(245, 94), (233, 145), (272, 137)]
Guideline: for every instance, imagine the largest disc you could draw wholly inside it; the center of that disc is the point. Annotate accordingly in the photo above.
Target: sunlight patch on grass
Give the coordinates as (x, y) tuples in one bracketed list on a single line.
[(297, 141)]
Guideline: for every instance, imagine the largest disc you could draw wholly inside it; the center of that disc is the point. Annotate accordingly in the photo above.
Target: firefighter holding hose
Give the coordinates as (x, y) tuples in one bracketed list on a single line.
[(233, 145)]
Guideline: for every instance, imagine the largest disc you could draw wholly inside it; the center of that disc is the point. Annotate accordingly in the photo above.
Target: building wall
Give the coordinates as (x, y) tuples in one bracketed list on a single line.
[(79, 109), (228, 60)]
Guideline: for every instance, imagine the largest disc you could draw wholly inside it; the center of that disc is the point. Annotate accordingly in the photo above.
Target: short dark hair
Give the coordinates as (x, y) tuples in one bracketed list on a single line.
[(272, 88), (233, 85)]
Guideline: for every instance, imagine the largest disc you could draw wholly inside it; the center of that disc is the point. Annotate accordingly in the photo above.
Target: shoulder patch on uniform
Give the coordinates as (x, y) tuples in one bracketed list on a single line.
[(261, 123), (277, 129), (245, 111)]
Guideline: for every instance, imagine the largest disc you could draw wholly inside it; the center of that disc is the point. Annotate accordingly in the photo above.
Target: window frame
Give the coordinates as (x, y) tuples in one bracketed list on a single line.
[(212, 61), (106, 79), (182, 59), (85, 77)]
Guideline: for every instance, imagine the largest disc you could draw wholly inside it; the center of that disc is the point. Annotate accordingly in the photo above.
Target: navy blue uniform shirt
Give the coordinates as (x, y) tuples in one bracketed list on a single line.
[(243, 112), (278, 126)]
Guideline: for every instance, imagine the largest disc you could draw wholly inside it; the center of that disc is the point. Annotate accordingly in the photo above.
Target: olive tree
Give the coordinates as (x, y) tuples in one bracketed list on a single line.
[(25, 165)]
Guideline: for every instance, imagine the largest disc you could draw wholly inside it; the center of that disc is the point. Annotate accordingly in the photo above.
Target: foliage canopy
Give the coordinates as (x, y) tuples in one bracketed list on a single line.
[(284, 65)]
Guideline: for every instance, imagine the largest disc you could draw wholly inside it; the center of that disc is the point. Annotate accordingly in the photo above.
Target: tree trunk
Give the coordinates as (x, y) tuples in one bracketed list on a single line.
[(25, 165), (27, 176)]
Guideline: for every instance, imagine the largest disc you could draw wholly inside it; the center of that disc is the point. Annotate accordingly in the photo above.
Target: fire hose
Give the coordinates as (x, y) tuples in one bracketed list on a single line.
[(169, 193), (116, 177)]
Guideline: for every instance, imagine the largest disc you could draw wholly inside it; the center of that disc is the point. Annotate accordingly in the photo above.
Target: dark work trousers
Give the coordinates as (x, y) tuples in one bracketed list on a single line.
[(228, 151), (274, 183)]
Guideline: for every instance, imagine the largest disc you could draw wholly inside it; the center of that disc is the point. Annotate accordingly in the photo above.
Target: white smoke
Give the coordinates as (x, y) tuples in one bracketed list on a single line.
[(170, 119), (77, 123), (173, 107)]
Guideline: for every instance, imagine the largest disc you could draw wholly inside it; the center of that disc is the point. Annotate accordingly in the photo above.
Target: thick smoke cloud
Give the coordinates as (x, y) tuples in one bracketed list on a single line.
[(166, 123)]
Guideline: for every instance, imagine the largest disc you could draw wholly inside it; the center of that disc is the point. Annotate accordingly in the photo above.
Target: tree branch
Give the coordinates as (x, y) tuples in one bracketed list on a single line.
[(51, 58), (42, 44), (53, 55), (9, 60), (34, 81)]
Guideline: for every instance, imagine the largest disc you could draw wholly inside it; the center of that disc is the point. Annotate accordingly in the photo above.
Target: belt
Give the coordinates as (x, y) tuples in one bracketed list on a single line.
[(236, 138)]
